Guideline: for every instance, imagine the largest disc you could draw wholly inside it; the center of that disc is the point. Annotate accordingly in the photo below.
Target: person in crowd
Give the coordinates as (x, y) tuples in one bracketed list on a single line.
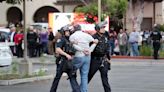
[(100, 57), (112, 38), (146, 36), (2, 37), (11, 36), (122, 41), (65, 51), (81, 60), (140, 41), (133, 41), (50, 41), (38, 49), (156, 38), (44, 41), (18, 43), (31, 41)]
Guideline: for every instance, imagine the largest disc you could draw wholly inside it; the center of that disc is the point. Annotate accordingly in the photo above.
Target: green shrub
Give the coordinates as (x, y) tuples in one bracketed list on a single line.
[(161, 27), (145, 50), (161, 53)]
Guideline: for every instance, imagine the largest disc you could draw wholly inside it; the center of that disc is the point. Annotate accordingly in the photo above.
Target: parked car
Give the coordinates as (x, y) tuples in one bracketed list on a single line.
[(5, 52), (4, 32)]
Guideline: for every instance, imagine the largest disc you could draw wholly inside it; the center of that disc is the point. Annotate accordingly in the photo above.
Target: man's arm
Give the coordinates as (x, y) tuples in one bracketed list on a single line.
[(92, 47)]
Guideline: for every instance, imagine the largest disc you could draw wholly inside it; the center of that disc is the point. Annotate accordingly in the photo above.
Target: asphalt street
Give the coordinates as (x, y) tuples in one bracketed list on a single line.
[(126, 76)]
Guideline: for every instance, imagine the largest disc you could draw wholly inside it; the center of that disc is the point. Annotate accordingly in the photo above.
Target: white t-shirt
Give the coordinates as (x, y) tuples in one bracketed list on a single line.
[(82, 39), (134, 37)]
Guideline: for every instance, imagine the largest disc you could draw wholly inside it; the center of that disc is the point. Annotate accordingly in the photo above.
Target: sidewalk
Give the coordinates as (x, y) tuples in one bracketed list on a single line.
[(116, 60)]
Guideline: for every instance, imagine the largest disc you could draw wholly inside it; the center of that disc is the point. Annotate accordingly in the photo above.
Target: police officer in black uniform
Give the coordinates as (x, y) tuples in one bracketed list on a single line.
[(156, 38), (100, 57), (66, 51)]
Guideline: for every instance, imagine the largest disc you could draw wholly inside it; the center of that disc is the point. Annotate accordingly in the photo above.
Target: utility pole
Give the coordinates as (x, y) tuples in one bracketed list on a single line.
[(99, 10), (25, 66), (25, 32)]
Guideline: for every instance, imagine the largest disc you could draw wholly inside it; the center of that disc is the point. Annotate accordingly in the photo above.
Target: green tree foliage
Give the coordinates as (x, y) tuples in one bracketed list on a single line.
[(113, 8)]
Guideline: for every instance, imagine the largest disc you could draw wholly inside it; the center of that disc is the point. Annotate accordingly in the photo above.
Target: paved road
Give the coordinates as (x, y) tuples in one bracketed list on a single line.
[(126, 76)]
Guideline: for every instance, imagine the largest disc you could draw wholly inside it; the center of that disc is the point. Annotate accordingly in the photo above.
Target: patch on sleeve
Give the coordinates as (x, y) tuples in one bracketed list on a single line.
[(58, 40)]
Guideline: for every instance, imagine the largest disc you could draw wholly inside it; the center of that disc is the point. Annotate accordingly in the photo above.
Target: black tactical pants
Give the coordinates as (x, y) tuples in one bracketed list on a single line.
[(96, 64), (156, 47), (74, 84)]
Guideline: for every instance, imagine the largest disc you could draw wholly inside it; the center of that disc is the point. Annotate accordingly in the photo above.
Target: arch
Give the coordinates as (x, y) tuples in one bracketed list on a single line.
[(14, 15), (41, 15), (74, 10)]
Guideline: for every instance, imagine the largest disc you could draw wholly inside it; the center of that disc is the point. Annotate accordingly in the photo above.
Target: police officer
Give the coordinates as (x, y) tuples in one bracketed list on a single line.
[(100, 57), (156, 38), (66, 52)]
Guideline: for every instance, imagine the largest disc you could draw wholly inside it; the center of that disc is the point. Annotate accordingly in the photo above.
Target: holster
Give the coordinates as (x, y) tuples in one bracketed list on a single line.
[(104, 61)]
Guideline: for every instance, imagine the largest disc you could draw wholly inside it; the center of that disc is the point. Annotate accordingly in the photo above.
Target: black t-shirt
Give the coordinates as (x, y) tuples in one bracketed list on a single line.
[(51, 36)]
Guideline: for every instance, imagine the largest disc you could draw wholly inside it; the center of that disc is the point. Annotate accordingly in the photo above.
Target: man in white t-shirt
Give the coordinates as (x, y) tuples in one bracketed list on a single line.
[(133, 40), (81, 60)]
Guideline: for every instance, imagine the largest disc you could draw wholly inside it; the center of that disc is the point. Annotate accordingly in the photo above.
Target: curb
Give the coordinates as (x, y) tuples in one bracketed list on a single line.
[(25, 80), (134, 57)]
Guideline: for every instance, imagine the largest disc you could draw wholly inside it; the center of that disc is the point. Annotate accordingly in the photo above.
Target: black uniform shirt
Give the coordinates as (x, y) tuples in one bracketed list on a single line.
[(102, 46), (61, 43), (156, 36)]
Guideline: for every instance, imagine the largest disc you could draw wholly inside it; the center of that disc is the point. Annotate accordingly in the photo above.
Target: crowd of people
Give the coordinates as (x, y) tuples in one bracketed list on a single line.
[(78, 50), (41, 42)]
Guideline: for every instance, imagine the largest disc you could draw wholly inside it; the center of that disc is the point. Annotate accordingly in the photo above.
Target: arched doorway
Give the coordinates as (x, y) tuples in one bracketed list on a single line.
[(41, 15), (14, 15), (77, 7)]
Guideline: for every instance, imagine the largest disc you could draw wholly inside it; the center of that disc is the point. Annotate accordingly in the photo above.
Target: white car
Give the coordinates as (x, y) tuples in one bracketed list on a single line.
[(5, 52)]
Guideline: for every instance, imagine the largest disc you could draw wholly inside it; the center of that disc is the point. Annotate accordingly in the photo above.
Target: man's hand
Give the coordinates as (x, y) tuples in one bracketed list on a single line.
[(86, 52)]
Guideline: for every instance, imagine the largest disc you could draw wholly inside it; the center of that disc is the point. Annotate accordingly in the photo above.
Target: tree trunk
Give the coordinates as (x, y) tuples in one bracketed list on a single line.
[(136, 20)]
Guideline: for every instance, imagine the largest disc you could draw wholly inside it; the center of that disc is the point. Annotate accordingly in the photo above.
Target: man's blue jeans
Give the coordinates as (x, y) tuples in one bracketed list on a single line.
[(83, 64), (134, 48)]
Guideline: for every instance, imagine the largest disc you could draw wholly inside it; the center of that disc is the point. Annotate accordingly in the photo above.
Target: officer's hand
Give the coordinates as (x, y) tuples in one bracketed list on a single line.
[(69, 57), (109, 64), (96, 41)]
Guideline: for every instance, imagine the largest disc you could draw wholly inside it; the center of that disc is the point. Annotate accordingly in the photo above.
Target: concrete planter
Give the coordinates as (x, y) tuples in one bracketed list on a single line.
[(18, 81)]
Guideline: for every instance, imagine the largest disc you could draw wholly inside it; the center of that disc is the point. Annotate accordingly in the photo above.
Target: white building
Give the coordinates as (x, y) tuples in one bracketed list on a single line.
[(36, 10)]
